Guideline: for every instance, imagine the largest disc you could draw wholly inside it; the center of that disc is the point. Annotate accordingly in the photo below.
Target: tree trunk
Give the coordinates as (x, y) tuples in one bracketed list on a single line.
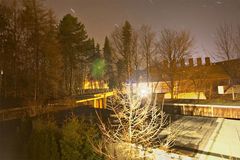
[(147, 70), (172, 89), (70, 83)]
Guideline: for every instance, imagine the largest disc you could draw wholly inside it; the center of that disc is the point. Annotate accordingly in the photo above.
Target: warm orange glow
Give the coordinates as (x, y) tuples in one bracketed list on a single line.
[(190, 95), (95, 85)]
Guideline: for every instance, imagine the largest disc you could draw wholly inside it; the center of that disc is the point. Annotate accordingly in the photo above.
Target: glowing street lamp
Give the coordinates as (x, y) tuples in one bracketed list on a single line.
[(144, 91)]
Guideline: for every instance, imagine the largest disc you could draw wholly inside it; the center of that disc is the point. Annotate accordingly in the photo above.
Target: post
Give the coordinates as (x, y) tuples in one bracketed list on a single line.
[(184, 110), (233, 95), (212, 110), (95, 103), (1, 84), (100, 103), (105, 102)]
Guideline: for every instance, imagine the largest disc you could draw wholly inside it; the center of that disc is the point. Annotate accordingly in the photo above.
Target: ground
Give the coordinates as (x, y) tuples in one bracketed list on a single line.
[(202, 138), (225, 142), (207, 138), (194, 133)]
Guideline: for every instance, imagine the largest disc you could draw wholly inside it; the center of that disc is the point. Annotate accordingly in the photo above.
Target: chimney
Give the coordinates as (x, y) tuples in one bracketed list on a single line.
[(182, 63), (190, 61), (207, 61), (199, 61)]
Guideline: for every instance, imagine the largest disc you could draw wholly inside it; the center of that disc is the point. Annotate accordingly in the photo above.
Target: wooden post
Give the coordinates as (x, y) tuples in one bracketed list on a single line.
[(212, 110), (105, 102), (233, 95), (183, 109), (100, 103), (95, 103)]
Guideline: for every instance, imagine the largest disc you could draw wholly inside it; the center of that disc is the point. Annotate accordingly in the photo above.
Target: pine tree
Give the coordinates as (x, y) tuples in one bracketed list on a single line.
[(34, 22), (122, 39), (73, 37), (98, 65), (108, 56), (52, 61), (4, 28), (121, 72), (126, 41)]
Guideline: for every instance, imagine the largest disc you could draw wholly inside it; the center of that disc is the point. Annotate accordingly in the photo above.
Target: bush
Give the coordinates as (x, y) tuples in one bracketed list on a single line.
[(71, 142), (76, 137), (43, 143)]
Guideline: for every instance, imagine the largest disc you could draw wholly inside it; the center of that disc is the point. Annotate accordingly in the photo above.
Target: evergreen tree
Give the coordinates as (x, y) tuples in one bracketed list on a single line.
[(108, 56), (73, 39), (126, 44), (39, 60), (35, 20), (52, 68), (97, 64), (98, 51), (4, 38), (122, 39), (121, 72)]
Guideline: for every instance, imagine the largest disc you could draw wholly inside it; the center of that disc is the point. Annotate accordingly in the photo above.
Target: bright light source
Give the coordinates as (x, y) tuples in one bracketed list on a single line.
[(143, 91)]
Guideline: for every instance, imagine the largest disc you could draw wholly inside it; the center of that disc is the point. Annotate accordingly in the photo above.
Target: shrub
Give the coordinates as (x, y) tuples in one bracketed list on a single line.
[(76, 136), (43, 143)]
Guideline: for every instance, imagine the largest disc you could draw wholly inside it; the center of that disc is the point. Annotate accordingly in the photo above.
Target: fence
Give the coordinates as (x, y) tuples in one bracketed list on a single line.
[(223, 111)]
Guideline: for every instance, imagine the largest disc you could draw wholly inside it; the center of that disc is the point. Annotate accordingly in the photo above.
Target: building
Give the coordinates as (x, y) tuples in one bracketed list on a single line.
[(194, 80)]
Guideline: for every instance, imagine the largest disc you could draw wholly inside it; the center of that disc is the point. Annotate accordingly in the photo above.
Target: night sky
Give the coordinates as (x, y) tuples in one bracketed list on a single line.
[(200, 17)]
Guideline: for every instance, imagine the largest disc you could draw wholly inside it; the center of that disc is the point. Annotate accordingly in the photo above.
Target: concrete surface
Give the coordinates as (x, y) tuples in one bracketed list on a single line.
[(194, 133), (226, 142)]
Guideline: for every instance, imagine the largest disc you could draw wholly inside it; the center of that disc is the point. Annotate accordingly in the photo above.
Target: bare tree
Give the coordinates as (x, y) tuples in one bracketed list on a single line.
[(225, 42), (228, 49), (147, 40), (237, 43), (172, 47), (136, 123)]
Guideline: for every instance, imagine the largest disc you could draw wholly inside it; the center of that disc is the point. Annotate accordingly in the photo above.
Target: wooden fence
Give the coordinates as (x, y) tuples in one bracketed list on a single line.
[(223, 111)]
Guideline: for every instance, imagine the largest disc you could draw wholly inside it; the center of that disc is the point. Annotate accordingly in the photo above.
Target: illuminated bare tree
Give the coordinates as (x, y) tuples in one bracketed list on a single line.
[(136, 123), (172, 47)]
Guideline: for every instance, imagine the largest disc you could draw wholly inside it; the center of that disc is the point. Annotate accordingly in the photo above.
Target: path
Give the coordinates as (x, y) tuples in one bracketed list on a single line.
[(225, 143)]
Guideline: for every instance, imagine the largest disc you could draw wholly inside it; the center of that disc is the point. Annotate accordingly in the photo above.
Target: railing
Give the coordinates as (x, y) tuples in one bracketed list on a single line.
[(63, 104), (20, 112), (224, 111), (92, 91)]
